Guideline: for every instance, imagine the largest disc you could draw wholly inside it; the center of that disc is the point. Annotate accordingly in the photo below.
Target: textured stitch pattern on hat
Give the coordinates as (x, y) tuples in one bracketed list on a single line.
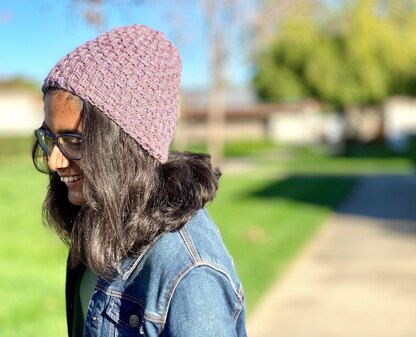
[(133, 75)]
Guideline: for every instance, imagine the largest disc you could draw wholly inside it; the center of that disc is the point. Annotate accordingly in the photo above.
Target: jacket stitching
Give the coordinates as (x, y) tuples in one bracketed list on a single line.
[(189, 245), (221, 270), (146, 315), (153, 318), (236, 314), (136, 261), (173, 288), (110, 331), (198, 261), (118, 294), (240, 308), (185, 271)]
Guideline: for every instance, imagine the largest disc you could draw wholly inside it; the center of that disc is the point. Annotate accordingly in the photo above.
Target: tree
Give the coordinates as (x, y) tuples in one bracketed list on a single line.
[(358, 53)]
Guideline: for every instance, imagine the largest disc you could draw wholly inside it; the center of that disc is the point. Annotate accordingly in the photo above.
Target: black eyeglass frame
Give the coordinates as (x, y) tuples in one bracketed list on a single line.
[(55, 140)]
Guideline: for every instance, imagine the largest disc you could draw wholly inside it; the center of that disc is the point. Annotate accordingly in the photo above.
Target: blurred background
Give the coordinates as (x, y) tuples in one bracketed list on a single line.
[(309, 109)]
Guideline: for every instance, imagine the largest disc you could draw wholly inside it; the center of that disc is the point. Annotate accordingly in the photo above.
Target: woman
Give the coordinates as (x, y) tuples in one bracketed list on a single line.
[(144, 256)]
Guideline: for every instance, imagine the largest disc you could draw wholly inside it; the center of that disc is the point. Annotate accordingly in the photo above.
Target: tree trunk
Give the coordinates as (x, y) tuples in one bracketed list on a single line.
[(216, 106), (216, 122)]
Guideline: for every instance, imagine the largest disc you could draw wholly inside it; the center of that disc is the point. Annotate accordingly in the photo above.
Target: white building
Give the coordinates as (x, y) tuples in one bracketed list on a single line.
[(399, 121), (20, 112)]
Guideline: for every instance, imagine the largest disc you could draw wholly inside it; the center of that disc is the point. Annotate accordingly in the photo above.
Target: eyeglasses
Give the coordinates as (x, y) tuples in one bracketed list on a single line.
[(68, 144)]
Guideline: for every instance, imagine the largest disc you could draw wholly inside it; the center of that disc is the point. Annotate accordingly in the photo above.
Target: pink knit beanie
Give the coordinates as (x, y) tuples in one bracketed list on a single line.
[(132, 74)]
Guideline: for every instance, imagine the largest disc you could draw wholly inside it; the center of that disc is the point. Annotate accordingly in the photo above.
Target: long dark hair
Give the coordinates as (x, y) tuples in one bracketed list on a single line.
[(131, 198)]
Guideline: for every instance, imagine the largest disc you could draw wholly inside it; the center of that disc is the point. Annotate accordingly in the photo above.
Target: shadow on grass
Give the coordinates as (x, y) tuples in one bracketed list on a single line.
[(322, 190), (391, 199), (379, 149)]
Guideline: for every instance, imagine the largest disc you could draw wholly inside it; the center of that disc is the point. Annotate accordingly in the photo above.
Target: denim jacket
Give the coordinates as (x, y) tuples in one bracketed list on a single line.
[(184, 285)]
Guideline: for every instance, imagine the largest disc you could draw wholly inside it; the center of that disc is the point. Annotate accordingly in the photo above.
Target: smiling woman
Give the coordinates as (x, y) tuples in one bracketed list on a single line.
[(144, 255)]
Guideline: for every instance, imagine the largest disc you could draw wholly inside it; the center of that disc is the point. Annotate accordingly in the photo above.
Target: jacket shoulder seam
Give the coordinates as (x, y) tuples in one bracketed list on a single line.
[(185, 271), (190, 245)]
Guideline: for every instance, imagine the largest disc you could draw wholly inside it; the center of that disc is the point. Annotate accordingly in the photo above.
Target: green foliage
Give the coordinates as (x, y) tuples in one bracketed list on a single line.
[(358, 54)]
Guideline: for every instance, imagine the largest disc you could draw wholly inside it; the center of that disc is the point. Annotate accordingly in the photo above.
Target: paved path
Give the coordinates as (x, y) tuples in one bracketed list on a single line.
[(357, 278)]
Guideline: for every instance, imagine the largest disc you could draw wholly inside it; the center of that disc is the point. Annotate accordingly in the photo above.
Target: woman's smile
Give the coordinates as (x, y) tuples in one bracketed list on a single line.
[(63, 114), (73, 178), (74, 186)]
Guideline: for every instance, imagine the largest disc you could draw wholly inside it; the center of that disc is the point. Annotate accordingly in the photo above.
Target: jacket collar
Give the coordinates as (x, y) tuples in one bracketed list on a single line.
[(127, 265)]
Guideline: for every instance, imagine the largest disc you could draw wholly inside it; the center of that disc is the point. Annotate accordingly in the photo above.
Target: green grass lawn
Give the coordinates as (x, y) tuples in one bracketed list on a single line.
[(265, 216), (32, 264)]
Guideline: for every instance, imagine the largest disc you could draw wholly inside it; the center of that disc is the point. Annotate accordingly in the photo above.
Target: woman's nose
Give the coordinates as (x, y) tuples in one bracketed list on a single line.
[(57, 160)]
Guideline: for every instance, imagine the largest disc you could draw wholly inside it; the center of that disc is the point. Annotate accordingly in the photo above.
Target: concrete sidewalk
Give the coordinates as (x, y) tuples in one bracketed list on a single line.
[(357, 277)]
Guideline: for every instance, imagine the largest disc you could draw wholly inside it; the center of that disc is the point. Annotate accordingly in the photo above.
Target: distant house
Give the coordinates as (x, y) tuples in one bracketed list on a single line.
[(247, 118), (20, 112), (399, 121)]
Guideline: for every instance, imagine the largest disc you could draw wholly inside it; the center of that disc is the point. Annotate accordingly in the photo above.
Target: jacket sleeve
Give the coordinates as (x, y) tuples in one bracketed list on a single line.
[(204, 304)]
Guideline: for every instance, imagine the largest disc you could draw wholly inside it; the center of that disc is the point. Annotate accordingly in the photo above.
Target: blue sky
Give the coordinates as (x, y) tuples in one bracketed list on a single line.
[(34, 35)]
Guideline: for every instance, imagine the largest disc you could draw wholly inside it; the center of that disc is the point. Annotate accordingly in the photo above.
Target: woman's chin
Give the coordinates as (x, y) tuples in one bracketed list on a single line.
[(76, 198)]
